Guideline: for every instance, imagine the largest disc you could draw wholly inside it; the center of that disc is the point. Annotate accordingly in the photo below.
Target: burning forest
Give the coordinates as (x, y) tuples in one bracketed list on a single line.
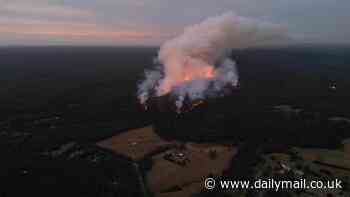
[(196, 65)]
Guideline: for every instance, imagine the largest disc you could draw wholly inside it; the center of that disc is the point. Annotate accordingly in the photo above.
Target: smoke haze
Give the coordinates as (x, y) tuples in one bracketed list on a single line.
[(197, 63)]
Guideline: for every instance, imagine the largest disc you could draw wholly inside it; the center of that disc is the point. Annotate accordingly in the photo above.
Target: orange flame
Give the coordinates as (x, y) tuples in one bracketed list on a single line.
[(204, 73), (191, 74), (191, 107), (197, 104)]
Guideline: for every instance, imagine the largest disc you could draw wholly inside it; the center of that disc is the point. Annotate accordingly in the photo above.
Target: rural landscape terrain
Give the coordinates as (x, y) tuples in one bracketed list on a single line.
[(71, 124)]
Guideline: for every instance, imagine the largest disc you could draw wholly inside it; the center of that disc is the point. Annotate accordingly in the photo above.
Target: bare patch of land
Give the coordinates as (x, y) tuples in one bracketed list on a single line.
[(178, 169), (203, 161), (136, 143)]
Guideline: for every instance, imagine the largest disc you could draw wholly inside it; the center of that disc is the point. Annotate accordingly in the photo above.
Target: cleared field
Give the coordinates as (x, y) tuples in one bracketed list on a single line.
[(166, 174), (346, 146), (185, 191), (335, 162), (168, 177), (136, 143), (332, 157)]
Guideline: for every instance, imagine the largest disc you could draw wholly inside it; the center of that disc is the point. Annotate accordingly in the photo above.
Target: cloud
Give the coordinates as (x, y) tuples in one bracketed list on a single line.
[(40, 22), (72, 32), (44, 10), (313, 20)]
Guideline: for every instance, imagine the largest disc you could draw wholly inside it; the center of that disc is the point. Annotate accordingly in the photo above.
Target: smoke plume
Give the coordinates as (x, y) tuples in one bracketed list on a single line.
[(197, 63)]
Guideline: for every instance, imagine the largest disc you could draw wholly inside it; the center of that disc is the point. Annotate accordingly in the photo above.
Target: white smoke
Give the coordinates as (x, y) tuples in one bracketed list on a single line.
[(197, 62)]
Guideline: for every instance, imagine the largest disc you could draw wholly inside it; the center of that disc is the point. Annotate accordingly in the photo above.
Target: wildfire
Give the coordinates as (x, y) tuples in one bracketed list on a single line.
[(196, 104), (201, 73), (191, 73), (192, 106), (205, 73)]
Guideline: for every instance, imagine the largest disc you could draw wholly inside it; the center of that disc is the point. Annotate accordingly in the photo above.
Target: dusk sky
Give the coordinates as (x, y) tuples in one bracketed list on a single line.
[(151, 22)]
